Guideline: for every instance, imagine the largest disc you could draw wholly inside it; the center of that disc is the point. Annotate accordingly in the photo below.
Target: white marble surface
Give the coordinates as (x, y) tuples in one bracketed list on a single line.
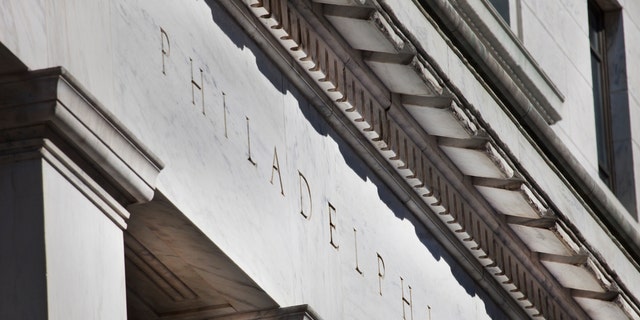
[(239, 205), (542, 240), (118, 56), (85, 255)]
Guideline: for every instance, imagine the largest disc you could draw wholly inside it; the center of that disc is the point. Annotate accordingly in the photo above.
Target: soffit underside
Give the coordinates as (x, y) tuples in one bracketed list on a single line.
[(174, 271)]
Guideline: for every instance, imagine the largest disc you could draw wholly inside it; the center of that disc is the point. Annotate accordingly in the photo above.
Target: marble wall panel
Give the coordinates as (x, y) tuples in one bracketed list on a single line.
[(222, 171), (632, 46), (85, 254), (71, 33), (23, 30), (544, 48), (578, 10), (633, 9), (561, 29), (579, 122)]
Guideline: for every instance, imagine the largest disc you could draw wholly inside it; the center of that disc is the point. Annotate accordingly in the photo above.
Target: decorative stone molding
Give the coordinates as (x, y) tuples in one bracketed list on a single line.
[(46, 113), (43, 148), (496, 216), (51, 104), (299, 312), (514, 70)]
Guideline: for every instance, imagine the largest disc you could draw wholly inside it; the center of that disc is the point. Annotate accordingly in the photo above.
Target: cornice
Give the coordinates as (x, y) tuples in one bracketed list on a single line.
[(495, 51), (488, 212), (50, 105), (600, 202)]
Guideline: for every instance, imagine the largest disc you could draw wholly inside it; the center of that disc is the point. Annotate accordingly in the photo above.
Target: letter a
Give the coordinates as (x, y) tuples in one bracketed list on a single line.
[(275, 167)]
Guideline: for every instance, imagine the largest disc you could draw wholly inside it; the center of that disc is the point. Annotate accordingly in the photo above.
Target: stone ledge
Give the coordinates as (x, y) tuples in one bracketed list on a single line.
[(299, 312)]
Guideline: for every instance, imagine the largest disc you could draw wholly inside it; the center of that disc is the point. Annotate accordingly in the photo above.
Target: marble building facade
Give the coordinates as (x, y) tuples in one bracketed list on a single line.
[(325, 159)]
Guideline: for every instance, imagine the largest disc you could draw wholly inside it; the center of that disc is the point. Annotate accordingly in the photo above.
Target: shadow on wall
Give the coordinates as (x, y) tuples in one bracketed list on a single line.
[(314, 116)]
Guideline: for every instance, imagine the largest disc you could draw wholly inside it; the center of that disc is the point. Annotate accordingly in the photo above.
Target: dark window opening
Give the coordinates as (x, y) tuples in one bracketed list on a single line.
[(502, 7), (611, 103), (602, 107)]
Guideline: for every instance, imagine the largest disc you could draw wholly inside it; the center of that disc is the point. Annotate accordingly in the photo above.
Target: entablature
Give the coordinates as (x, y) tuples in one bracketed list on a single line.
[(466, 184)]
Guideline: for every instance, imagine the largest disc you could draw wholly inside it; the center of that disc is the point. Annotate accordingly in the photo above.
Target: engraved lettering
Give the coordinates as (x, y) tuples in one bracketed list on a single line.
[(303, 180), (332, 225), (165, 48), (355, 243), (249, 143), (224, 113), (275, 167), (381, 272), (406, 302), (195, 85)]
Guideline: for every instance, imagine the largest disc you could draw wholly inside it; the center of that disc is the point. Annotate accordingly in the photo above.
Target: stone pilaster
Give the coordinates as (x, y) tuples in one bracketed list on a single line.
[(68, 169)]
